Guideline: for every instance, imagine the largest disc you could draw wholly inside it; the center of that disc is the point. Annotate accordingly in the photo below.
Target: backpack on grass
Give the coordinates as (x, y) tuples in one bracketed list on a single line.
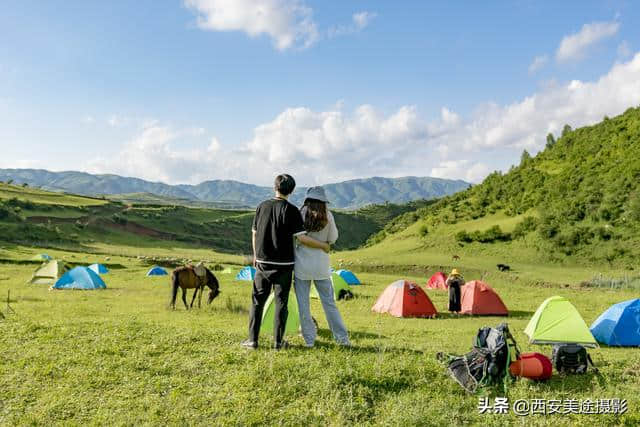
[(571, 358), (487, 364)]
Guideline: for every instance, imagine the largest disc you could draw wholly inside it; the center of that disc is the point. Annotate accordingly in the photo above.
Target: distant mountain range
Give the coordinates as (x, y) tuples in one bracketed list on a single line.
[(351, 194)]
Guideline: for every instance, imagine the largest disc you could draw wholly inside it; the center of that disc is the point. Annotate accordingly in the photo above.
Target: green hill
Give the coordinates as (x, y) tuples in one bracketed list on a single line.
[(37, 217), (577, 201)]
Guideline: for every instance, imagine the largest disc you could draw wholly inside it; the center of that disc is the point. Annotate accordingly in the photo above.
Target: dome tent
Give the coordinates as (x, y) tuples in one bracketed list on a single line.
[(438, 281), (480, 299), (80, 278), (405, 299), (619, 325), (349, 277), (340, 288), (157, 271), (557, 321), (41, 257), (247, 273), (48, 273), (99, 268), (293, 321)]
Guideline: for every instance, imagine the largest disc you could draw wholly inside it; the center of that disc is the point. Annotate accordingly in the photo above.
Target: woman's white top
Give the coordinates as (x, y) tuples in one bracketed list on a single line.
[(311, 263)]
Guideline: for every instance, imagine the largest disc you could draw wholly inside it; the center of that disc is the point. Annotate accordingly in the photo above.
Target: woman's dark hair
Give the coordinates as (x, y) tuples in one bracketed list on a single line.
[(284, 184), (316, 217)]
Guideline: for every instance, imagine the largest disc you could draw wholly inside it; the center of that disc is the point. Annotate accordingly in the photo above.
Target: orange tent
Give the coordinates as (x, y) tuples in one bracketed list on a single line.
[(405, 299), (479, 298), (438, 281)]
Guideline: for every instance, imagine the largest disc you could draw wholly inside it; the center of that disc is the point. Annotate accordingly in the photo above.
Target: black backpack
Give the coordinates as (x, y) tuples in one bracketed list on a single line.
[(571, 358), (488, 362)]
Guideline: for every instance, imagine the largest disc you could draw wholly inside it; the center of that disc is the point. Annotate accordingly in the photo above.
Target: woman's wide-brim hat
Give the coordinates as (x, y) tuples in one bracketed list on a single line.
[(316, 193), (454, 272)]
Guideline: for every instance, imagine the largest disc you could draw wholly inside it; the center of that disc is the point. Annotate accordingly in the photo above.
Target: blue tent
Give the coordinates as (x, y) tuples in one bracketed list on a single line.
[(619, 324), (99, 268), (80, 278), (247, 273), (157, 271), (349, 277)]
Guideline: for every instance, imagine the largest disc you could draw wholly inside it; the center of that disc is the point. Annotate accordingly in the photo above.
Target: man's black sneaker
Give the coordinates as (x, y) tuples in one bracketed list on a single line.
[(281, 345), (251, 345)]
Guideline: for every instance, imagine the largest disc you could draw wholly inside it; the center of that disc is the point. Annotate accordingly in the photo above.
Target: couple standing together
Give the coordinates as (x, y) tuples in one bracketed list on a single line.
[(287, 240)]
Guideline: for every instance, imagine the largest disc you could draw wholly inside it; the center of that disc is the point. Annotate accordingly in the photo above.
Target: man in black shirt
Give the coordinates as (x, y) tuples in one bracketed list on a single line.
[(276, 224)]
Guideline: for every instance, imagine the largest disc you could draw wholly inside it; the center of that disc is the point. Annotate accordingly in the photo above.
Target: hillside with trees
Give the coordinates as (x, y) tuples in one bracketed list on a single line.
[(579, 198)]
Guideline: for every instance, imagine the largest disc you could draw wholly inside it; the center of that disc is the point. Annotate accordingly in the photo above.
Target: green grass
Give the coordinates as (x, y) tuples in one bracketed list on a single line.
[(46, 197), (119, 357)]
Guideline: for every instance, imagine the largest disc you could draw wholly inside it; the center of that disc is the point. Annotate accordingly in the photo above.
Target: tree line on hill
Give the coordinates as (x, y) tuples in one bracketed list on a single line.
[(581, 195)]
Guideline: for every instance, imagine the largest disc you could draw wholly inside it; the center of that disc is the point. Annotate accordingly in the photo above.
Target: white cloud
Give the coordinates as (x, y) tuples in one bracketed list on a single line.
[(334, 145), (362, 19), (359, 21), (575, 46), (289, 23), (156, 154), (624, 50), (538, 62), (463, 169), (116, 121)]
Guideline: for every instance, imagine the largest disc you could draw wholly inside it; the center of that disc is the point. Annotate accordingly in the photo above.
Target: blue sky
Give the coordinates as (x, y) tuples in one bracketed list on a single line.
[(189, 90)]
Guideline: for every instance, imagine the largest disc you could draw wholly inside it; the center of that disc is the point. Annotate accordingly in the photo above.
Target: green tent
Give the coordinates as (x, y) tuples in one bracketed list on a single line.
[(293, 320), (48, 273), (558, 321), (339, 284)]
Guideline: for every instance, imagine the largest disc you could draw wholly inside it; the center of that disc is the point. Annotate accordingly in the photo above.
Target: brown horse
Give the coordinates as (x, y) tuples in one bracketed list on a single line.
[(186, 278)]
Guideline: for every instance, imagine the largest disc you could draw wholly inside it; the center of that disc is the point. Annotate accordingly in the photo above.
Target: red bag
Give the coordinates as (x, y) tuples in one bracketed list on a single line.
[(534, 366)]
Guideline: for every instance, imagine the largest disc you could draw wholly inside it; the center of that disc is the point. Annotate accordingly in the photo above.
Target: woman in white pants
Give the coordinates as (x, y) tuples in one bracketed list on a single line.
[(313, 265)]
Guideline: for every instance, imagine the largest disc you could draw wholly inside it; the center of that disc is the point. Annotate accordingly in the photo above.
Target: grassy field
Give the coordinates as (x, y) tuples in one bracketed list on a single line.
[(119, 357)]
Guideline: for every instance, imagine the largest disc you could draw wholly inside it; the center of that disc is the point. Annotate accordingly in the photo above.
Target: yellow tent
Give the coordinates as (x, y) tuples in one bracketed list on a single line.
[(48, 273)]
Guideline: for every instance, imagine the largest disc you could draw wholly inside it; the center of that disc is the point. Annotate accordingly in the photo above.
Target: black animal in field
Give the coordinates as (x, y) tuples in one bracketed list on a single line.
[(503, 267)]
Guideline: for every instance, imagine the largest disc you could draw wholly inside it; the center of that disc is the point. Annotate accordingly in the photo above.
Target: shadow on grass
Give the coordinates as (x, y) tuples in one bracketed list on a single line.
[(570, 382), (326, 333)]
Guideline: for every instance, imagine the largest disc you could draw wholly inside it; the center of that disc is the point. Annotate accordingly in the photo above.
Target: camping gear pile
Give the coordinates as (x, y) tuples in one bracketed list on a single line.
[(556, 322), (487, 364)]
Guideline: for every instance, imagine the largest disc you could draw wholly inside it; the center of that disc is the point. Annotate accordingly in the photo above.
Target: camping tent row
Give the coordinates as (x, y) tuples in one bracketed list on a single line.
[(248, 273), (50, 271), (406, 299)]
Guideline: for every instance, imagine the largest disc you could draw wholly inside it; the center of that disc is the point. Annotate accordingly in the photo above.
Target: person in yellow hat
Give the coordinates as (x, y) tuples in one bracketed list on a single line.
[(454, 282)]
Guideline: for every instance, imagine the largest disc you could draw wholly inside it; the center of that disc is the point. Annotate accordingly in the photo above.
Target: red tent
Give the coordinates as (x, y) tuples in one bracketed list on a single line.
[(438, 281), (405, 299), (479, 298)]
